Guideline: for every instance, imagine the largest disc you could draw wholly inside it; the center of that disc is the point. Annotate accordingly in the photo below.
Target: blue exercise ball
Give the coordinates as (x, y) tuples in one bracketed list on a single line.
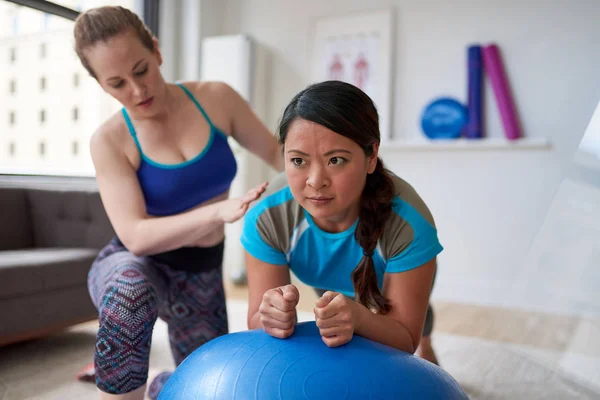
[(254, 365)]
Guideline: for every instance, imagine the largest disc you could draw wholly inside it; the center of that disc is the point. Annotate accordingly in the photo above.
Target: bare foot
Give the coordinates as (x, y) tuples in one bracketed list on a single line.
[(425, 350)]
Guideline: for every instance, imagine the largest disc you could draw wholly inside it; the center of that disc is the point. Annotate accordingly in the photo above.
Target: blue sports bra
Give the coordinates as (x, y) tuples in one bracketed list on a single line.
[(172, 188)]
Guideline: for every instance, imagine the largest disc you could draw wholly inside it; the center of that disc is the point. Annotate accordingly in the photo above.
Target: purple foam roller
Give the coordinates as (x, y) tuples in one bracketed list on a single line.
[(493, 65)]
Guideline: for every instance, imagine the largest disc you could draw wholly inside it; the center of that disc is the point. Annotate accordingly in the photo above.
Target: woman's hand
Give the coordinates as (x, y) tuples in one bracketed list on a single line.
[(233, 209), (278, 311), (336, 316)]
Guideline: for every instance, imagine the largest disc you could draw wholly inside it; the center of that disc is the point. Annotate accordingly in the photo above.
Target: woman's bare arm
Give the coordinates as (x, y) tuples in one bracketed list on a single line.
[(408, 294), (123, 201)]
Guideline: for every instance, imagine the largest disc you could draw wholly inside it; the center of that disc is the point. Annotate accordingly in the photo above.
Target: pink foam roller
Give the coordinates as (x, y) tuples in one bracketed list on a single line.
[(492, 62)]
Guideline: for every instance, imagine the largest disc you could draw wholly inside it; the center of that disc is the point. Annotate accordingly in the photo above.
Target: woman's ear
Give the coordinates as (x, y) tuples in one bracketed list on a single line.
[(157, 50), (372, 159)]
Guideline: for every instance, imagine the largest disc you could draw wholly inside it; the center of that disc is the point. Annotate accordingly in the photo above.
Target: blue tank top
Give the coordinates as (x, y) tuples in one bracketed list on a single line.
[(173, 188)]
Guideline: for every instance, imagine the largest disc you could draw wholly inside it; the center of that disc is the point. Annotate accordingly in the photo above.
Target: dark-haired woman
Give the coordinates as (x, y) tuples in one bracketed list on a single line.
[(340, 221)]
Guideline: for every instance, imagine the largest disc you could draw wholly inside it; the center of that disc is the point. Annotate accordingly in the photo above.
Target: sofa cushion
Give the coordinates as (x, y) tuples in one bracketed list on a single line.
[(15, 221), (26, 272), (68, 219)]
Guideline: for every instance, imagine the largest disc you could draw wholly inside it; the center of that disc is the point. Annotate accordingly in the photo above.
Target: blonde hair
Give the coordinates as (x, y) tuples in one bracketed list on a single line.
[(103, 23)]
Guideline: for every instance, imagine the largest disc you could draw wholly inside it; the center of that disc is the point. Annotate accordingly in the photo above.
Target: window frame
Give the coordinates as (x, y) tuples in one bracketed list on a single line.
[(149, 12)]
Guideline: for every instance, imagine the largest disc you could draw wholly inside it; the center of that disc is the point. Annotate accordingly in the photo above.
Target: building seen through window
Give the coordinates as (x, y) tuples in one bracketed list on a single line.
[(51, 104)]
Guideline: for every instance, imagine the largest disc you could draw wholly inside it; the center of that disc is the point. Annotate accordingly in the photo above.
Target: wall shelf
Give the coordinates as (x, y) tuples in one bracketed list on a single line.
[(465, 144)]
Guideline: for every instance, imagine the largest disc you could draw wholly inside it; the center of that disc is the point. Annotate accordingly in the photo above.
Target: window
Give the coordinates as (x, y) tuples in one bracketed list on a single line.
[(15, 25), (46, 22), (45, 95)]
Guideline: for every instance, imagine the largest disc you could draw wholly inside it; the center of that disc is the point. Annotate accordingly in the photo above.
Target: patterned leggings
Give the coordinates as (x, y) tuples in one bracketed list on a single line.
[(130, 293)]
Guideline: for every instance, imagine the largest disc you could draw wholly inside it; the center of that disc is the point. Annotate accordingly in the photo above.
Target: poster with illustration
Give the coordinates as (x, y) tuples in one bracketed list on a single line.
[(357, 49), (352, 59)]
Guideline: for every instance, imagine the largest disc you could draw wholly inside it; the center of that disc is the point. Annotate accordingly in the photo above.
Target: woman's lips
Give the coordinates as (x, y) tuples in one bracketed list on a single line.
[(146, 103), (320, 200)]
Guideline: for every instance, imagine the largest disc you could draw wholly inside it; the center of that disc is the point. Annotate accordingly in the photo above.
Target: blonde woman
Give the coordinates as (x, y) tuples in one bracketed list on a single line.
[(164, 168)]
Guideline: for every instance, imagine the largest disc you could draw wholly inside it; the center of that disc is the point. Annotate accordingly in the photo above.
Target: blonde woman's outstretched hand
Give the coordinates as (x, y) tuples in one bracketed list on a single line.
[(233, 209)]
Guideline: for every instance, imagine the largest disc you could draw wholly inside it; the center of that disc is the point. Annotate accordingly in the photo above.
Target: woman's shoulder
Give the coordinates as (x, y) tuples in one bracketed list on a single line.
[(408, 205), (407, 196), (277, 198), (275, 216), (277, 210), (411, 225), (112, 136), (217, 99), (110, 130), (209, 90)]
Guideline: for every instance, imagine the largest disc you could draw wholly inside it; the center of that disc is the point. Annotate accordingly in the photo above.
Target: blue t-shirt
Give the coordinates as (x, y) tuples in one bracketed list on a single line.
[(277, 230)]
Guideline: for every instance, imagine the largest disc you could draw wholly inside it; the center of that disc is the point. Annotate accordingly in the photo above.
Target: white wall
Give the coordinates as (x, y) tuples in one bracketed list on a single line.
[(488, 204)]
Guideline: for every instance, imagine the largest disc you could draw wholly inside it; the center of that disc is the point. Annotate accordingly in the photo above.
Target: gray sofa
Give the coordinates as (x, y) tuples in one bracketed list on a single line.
[(48, 240)]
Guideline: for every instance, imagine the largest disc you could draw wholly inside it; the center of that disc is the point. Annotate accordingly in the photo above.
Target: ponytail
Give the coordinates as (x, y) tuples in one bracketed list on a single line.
[(375, 210)]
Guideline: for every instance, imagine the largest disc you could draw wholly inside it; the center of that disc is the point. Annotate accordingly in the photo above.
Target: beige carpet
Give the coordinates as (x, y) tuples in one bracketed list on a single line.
[(45, 369)]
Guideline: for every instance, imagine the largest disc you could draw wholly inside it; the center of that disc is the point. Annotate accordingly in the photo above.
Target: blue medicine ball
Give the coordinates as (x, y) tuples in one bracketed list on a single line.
[(444, 118), (254, 365)]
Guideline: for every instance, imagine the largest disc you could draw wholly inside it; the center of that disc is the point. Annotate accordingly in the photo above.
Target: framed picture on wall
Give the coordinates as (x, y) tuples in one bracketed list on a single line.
[(358, 49)]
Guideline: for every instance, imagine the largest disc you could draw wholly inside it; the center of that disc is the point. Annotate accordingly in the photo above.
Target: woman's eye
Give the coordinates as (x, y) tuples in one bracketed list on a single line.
[(119, 84), (337, 160), (142, 72), (297, 161)]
